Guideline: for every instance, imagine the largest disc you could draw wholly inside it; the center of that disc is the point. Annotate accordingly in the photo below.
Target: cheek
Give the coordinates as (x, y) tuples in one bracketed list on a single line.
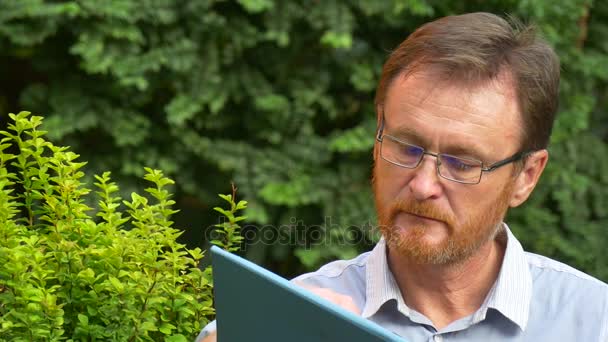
[(391, 181), (473, 202), (463, 206)]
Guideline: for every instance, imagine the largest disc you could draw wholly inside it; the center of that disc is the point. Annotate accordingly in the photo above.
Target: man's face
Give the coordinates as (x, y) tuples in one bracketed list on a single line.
[(424, 217)]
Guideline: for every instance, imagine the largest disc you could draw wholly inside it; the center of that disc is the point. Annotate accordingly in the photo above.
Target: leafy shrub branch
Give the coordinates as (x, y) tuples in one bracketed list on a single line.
[(73, 272)]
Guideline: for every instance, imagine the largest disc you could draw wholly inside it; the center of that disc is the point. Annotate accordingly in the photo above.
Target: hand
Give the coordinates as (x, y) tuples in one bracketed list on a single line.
[(344, 301), (210, 338)]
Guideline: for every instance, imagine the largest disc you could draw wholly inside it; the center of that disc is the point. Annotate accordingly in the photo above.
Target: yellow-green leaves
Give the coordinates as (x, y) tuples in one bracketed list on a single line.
[(77, 269), (229, 230)]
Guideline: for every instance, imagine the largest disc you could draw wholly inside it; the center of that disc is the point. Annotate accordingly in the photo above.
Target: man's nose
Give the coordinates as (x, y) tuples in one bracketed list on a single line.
[(426, 182)]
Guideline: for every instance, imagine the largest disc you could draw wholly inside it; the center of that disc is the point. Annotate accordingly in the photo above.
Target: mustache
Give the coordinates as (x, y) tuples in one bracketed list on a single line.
[(418, 208)]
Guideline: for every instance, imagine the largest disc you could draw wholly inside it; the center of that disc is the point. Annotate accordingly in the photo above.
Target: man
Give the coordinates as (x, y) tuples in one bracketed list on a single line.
[(465, 109)]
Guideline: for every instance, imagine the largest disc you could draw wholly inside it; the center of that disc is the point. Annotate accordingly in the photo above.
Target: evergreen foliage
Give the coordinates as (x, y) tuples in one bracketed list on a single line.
[(74, 272), (277, 96)]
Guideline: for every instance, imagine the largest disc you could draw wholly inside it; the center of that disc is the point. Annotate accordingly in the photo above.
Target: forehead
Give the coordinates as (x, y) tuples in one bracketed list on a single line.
[(484, 117)]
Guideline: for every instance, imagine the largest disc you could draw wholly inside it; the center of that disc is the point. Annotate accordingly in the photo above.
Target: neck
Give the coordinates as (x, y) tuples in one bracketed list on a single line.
[(445, 293)]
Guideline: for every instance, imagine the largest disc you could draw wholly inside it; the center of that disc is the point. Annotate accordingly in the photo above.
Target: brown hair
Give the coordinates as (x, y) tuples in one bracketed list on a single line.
[(477, 47)]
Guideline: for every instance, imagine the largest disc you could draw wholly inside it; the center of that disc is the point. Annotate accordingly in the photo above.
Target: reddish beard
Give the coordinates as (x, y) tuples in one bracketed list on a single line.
[(462, 241)]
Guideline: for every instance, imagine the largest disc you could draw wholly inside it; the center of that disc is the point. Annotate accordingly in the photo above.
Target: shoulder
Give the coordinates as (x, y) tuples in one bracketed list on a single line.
[(560, 289), (544, 268), (568, 297)]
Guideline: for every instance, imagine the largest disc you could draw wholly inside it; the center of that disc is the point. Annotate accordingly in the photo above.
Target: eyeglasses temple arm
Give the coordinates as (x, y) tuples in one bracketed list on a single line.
[(381, 129), (503, 162)]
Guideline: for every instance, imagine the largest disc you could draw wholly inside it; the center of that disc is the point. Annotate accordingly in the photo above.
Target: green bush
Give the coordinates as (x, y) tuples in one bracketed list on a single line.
[(73, 272)]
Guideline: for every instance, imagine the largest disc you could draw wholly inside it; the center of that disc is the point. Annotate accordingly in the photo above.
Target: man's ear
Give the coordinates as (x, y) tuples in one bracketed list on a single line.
[(528, 177)]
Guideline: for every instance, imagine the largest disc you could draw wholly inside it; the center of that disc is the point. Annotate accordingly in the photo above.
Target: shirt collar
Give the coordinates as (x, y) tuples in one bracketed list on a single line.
[(381, 286), (510, 295), (512, 292)]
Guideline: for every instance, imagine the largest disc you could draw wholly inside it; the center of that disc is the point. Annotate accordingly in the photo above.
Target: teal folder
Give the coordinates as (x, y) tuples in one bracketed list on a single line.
[(254, 304)]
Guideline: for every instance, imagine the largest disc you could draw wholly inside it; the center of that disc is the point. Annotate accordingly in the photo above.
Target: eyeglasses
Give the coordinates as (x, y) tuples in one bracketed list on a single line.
[(457, 169)]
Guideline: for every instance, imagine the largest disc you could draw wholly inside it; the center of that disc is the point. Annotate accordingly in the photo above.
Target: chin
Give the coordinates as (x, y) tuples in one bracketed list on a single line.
[(421, 246), (430, 233), (417, 237)]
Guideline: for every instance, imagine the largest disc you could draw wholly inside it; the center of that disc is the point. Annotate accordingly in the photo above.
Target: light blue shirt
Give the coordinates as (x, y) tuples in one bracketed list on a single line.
[(534, 298)]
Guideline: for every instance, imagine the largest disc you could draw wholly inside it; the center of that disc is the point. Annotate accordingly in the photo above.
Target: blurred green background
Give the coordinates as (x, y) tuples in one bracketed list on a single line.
[(277, 97)]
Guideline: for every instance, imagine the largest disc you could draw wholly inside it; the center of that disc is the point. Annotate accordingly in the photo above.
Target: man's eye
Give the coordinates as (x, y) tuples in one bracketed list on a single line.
[(458, 164), (412, 150)]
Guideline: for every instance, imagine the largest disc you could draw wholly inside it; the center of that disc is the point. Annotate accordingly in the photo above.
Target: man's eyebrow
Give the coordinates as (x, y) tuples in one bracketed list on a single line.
[(408, 135), (465, 151), (461, 149)]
